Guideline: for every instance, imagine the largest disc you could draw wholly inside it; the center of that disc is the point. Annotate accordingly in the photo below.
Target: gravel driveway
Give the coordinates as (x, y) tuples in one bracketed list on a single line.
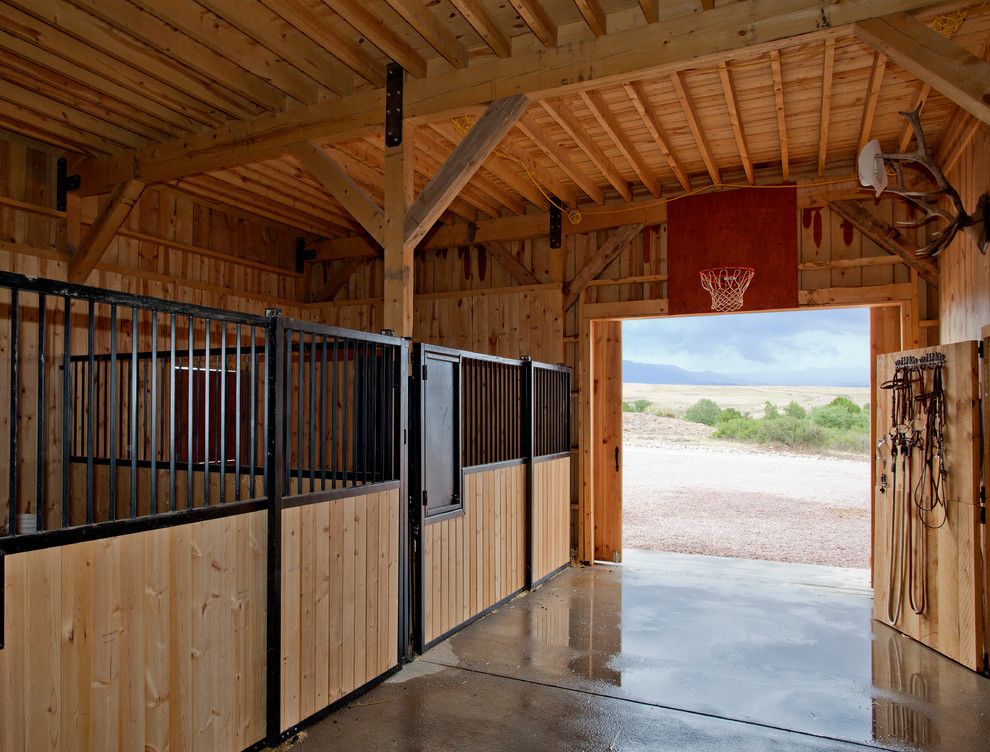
[(698, 496)]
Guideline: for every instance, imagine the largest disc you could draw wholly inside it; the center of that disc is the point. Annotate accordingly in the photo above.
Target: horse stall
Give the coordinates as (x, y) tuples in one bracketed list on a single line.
[(206, 540)]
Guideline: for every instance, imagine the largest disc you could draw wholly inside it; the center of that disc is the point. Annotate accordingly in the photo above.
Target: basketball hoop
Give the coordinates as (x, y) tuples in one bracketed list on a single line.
[(727, 285)]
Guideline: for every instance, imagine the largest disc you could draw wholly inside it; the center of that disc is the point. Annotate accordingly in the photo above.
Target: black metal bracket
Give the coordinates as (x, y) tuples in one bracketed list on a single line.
[(64, 183), (303, 254), (394, 77), (556, 225)]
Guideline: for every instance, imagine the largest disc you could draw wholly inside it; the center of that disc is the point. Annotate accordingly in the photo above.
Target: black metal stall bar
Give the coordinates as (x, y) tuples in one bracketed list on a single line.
[(113, 395)]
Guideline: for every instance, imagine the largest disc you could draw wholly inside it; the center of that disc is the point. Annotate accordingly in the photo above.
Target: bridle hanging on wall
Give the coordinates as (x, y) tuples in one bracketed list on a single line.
[(916, 438)]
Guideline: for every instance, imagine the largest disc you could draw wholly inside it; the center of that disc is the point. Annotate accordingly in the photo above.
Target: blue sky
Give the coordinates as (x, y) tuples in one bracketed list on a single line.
[(757, 343)]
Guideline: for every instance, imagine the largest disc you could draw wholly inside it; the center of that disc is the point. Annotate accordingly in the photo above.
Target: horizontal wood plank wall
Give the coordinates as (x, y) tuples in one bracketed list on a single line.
[(965, 272), (473, 561), (340, 598), (551, 515), (154, 641)]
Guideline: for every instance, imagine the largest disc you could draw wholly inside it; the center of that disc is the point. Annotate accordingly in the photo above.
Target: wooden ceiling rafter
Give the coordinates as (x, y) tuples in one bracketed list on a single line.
[(559, 156), (828, 68), (725, 77), (594, 15), (562, 115), (651, 121), (480, 19), (322, 30), (255, 21), (691, 117), (777, 76), (380, 34), (224, 39), (146, 43), (538, 20), (596, 104), (651, 10), (432, 30)]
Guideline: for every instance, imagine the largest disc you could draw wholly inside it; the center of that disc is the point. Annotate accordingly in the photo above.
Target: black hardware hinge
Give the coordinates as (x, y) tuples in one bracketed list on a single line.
[(64, 182), (425, 495), (393, 104), (556, 224), (979, 348), (303, 254), (423, 376)]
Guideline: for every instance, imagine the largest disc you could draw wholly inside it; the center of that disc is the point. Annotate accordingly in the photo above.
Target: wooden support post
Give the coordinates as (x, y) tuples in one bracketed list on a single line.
[(910, 324), (586, 506), (398, 284)]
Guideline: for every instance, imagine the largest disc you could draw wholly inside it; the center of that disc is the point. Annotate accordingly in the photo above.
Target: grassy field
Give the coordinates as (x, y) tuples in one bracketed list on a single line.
[(746, 399)]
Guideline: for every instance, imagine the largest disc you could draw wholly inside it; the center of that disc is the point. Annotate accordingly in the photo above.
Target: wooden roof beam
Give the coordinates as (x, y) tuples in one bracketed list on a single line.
[(538, 20), (687, 107), (461, 165), (950, 69), (573, 128), (327, 34), (735, 121), (696, 40), (651, 10), (652, 123), (480, 19), (828, 66), (599, 262), (889, 238), (595, 102), (334, 283), (341, 186), (872, 95), (778, 98), (432, 29), (110, 219), (594, 16), (532, 130), (380, 34), (510, 262), (907, 133)]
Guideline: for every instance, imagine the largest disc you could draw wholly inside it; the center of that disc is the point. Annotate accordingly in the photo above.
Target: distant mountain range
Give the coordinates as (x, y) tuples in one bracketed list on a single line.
[(653, 373)]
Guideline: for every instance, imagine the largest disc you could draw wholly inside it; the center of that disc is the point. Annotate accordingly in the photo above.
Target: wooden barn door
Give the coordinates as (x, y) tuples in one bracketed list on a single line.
[(606, 344), (928, 568)]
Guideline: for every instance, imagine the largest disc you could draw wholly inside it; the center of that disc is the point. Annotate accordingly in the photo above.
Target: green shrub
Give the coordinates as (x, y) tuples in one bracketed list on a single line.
[(770, 411), (639, 406), (729, 414), (741, 428), (703, 411), (795, 410), (663, 412), (841, 414)]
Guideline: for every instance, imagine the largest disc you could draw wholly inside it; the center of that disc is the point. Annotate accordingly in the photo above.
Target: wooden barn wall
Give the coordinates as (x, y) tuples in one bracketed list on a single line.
[(340, 596), (965, 272), (551, 515), (35, 239), (478, 558), (154, 640)]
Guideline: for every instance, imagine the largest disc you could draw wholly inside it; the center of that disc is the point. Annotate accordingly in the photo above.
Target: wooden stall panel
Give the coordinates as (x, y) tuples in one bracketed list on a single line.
[(340, 585), (551, 516), (474, 560), (152, 641), (952, 622)]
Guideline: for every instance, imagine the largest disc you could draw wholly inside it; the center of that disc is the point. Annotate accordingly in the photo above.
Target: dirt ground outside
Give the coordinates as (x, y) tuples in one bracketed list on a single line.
[(687, 493)]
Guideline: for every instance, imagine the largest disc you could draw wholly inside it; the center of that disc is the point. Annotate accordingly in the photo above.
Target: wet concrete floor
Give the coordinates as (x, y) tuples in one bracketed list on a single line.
[(675, 652)]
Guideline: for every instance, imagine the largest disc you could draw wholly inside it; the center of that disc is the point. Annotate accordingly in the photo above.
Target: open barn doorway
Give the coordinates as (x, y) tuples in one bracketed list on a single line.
[(748, 436)]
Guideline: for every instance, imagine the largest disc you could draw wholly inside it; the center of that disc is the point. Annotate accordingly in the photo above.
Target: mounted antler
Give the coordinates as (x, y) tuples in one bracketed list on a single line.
[(928, 201)]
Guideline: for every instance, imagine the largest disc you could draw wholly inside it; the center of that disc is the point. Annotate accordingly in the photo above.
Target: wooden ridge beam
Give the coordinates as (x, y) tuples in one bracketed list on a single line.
[(355, 199), (642, 52), (887, 237), (951, 70), (599, 262), (510, 262), (465, 160), (95, 244)]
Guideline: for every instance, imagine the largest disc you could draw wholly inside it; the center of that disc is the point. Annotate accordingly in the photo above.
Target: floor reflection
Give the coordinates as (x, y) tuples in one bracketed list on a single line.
[(783, 646)]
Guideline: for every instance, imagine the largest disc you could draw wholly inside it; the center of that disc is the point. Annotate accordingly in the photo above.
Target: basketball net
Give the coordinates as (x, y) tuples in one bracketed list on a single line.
[(726, 284)]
